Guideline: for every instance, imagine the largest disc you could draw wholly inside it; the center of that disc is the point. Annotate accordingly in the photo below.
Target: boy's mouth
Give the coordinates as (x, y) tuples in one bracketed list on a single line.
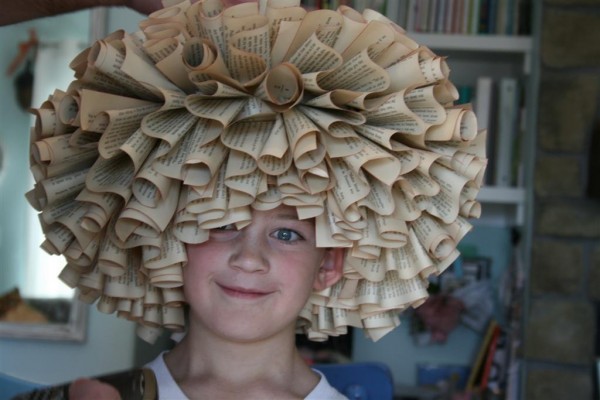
[(243, 293)]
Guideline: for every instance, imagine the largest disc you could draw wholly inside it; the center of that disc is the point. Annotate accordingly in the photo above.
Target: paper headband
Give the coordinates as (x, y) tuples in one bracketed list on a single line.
[(207, 112)]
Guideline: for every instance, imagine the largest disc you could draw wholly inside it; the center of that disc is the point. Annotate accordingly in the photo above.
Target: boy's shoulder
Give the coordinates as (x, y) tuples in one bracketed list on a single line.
[(324, 391)]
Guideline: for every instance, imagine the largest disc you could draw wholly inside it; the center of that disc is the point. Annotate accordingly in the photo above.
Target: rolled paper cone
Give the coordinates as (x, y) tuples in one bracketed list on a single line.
[(148, 333), (324, 319), (459, 125), (150, 187), (107, 305), (186, 229), (88, 296), (442, 264), (174, 14), (172, 67), (83, 257), (173, 318), (200, 54), (165, 31), (101, 208), (203, 163), (316, 179), (152, 316), (168, 277), (129, 285), (112, 260), (70, 276), (124, 306), (45, 123), (400, 260), (137, 309), (173, 297), (470, 209), (52, 212), (282, 87), (172, 251), (392, 229), (58, 238), (307, 211), (153, 295)]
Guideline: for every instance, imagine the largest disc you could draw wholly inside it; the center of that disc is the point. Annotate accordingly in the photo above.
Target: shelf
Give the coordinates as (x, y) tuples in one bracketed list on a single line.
[(502, 195), (485, 43), (501, 206)]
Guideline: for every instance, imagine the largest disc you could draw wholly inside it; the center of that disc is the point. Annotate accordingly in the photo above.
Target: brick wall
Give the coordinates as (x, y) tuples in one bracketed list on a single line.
[(564, 286)]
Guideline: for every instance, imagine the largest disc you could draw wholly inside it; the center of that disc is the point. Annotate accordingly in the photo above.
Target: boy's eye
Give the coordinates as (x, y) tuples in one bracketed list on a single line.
[(287, 235)]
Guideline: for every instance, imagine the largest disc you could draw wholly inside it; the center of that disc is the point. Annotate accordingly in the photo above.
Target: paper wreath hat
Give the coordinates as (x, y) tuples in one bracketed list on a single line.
[(208, 112)]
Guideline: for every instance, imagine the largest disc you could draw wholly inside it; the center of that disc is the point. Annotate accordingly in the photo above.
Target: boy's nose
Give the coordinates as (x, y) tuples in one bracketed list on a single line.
[(249, 256)]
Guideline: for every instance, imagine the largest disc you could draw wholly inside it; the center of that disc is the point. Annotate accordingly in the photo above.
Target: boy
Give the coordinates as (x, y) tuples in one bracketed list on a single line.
[(245, 289), (292, 171)]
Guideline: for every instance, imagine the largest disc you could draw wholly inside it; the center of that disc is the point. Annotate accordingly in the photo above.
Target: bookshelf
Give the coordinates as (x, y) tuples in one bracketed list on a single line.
[(495, 45), (472, 53), (490, 39), (510, 56), (470, 56), (502, 206)]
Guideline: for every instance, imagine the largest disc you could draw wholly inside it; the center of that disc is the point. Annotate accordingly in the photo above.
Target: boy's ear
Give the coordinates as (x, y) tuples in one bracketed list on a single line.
[(331, 270)]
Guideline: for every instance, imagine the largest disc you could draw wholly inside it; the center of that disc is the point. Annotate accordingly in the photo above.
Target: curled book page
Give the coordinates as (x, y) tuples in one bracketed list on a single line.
[(208, 112)]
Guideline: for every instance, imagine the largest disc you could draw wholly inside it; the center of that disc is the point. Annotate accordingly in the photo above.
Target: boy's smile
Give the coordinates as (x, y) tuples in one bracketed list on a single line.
[(244, 293)]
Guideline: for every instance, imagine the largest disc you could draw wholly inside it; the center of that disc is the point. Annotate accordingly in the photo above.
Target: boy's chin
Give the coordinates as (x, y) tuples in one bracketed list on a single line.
[(251, 329)]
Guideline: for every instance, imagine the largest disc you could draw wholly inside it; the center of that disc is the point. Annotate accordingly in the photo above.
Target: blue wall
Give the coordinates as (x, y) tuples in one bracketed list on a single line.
[(14, 137), (398, 350), (109, 345)]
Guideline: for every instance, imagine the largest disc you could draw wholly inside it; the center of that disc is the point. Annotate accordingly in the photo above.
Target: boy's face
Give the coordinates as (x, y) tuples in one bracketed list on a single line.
[(251, 284)]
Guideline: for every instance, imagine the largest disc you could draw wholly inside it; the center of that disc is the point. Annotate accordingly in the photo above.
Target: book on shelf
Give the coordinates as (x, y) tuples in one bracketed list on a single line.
[(423, 16), (484, 16), (490, 378), (356, 4), (433, 13), (460, 13), (392, 10), (463, 17), (400, 13), (484, 105), (474, 6), (499, 109), (507, 132), (495, 372), (478, 367), (490, 352), (502, 16), (438, 15), (411, 13), (498, 17)]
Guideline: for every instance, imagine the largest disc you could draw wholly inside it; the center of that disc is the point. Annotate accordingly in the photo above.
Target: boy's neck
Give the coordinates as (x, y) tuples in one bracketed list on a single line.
[(201, 363)]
